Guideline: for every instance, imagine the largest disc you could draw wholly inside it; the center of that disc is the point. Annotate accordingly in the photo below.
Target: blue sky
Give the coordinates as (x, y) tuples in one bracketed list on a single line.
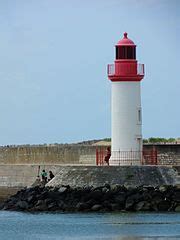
[(53, 57)]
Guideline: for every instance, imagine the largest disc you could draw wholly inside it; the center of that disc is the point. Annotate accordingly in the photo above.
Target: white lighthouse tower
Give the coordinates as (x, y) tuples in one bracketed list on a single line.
[(126, 75)]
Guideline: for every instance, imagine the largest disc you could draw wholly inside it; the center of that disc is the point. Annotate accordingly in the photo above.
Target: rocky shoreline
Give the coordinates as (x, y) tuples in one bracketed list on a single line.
[(94, 199)]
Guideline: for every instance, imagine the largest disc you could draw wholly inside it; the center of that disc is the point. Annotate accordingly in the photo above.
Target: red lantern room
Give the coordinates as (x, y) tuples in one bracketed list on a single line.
[(125, 67)]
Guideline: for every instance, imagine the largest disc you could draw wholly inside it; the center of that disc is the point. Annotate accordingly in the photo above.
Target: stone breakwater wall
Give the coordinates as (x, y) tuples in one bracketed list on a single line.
[(104, 198), (60, 154), (71, 153)]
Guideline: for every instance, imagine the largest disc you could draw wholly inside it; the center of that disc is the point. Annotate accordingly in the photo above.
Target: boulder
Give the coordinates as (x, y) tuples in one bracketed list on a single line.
[(164, 205), (105, 189), (176, 197), (142, 206), (129, 203), (146, 196), (120, 198), (82, 206), (13, 200), (107, 185), (22, 205), (52, 206), (30, 199), (96, 207), (163, 188), (60, 204), (106, 204), (91, 202), (107, 196), (40, 202), (114, 206), (54, 195), (41, 207), (62, 189), (48, 201), (96, 195), (43, 195), (177, 208), (157, 197), (1, 206)]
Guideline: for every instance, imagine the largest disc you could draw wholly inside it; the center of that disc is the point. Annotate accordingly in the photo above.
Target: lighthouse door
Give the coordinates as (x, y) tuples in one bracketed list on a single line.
[(139, 145), (139, 140)]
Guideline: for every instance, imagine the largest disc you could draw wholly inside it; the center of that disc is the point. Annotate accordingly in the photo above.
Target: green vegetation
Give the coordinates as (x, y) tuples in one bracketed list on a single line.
[(107, 139), (153, 140), (159, 140)]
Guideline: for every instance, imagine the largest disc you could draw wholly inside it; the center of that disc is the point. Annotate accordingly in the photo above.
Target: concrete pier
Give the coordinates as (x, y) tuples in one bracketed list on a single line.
[(122, 175)]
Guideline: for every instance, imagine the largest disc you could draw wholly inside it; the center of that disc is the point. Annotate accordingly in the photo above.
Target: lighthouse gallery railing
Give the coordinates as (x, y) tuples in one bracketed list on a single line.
[(111, 69)]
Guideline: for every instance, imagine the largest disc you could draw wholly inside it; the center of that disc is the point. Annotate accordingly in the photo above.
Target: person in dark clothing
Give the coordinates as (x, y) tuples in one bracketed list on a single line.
[(108, 155), (51, 175)]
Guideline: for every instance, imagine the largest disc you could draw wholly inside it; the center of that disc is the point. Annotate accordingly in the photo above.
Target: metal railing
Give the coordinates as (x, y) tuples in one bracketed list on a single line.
[(111, 69), (147, 157), (118, 157), (140, 69), (126, 157)]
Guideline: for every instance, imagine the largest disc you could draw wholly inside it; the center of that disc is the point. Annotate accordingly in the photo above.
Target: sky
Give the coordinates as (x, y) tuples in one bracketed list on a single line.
[(53, 67)]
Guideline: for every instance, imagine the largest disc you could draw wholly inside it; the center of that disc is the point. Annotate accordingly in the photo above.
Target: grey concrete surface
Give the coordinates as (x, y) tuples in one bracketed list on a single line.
[(123, 175)]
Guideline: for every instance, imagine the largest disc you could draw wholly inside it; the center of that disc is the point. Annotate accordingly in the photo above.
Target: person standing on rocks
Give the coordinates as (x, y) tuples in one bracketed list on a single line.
[(51, 175), (44, 176)]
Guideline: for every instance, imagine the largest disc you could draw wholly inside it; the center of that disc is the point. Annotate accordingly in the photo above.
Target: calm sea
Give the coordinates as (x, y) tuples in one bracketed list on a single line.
[(111, 226)]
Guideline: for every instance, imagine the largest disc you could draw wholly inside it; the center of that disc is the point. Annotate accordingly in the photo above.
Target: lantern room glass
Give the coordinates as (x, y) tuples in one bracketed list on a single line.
[(125, 52)]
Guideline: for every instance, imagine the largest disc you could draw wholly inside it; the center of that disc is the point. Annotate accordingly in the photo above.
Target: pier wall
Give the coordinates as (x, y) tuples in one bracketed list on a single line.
[(67, 154), (61, 154)]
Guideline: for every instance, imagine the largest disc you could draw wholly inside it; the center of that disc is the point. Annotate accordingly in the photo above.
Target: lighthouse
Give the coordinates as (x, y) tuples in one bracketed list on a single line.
[(126, 113)]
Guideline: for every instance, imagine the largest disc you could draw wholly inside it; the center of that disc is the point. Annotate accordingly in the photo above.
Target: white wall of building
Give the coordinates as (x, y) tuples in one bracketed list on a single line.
[(126, 118)]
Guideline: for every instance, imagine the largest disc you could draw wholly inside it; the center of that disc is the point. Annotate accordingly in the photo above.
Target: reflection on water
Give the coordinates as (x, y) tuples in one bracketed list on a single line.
[(109, 226)]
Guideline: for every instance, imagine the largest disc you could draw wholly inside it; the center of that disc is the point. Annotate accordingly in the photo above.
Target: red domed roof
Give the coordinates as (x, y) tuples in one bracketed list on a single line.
[(125, 41)]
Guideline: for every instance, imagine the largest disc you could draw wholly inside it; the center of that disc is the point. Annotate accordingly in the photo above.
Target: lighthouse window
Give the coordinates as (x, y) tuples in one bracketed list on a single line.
[(131, 53), (123, 52), (139, 116)]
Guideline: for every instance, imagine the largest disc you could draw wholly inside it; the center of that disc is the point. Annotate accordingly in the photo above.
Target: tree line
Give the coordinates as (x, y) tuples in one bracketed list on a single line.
[(154, 140)]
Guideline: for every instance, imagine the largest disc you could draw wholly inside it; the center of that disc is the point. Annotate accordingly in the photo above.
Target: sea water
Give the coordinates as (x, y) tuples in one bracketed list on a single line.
[(85, 226)]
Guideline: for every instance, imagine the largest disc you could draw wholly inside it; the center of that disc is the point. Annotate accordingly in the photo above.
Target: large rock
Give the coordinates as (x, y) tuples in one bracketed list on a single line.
[(96, 207), (129, 204), (164, 205), (176, 196), (177, 209), (22, 205), (96, 195), (142, 206), (82, 206)]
